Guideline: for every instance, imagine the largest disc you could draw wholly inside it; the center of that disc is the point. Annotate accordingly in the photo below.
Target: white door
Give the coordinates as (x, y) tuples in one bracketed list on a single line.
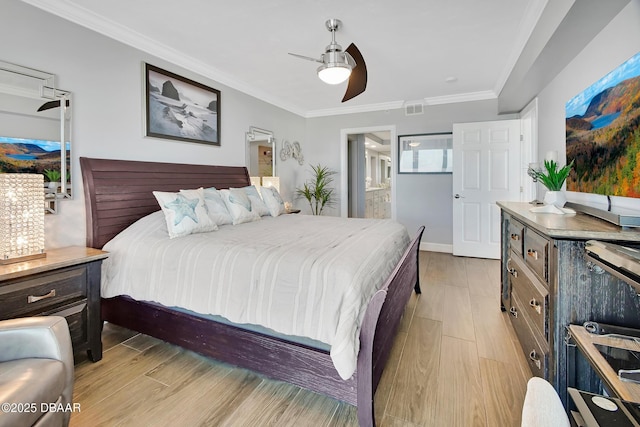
[(486, 169)]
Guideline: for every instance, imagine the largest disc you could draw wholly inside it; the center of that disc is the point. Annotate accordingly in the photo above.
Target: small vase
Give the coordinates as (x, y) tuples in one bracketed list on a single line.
[(556, 198)]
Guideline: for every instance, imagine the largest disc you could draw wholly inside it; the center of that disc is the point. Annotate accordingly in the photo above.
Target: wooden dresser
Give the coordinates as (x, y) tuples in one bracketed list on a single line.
[(547, 284), (65, 283)]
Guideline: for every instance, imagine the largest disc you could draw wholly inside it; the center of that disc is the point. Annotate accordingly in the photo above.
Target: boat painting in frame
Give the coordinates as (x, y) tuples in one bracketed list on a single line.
[(181, 109)]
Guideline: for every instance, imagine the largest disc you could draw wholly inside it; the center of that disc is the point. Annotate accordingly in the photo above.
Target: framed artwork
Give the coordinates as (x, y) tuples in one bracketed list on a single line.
[(425, 153), (181, 109), (603, 134)]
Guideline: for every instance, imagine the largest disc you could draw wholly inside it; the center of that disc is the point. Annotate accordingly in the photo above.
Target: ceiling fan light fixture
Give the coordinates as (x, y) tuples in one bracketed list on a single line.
[(334, 74)]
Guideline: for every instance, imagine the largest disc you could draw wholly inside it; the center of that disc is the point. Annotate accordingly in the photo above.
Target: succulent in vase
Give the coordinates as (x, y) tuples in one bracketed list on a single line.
[(553, 178), (53, 177)]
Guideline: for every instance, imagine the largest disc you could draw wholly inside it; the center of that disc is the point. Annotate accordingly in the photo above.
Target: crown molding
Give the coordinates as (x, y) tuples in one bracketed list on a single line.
[(111, 29), (461, 97), (367, 108)]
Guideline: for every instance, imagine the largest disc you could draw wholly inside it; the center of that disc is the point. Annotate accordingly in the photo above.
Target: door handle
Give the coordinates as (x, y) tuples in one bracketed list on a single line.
[(457, 196)]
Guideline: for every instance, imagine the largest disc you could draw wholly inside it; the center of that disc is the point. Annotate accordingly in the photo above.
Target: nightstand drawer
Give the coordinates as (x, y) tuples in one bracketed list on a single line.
[(42, 292), (76, 315)]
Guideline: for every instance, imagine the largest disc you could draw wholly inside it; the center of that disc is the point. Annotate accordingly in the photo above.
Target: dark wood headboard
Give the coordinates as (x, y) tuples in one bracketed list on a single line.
[(119, 192)]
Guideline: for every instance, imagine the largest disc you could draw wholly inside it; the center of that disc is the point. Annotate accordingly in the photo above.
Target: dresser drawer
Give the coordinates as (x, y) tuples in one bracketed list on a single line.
[(42, 292), (537, 354), (536, 254), (516, 236), (533, 295)]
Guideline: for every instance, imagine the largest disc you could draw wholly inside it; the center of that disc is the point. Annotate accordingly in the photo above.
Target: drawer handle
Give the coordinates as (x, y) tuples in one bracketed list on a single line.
[(533, 356), (513, 272), (515, 236), (514, 312), (33, 298), (532, 253), (535, 305)]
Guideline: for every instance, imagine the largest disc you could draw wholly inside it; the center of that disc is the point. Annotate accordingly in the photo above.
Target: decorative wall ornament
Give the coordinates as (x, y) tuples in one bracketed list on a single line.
[(292, 150)]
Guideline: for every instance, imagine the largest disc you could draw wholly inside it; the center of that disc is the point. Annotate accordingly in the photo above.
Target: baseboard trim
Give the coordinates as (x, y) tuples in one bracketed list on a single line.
[(436, 247)]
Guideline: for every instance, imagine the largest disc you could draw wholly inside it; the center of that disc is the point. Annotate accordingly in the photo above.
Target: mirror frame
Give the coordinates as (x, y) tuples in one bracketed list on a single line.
[(46, 91), (258, 134)]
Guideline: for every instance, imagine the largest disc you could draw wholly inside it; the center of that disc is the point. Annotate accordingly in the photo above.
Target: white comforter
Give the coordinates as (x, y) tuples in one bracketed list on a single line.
[(296, 274)]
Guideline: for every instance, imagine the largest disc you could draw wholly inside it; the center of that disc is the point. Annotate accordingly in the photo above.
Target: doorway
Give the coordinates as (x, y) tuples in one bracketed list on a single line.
[(368, 171)]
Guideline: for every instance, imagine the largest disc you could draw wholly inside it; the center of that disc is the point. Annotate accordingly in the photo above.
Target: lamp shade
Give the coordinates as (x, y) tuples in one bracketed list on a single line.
[(21, 217), (271, 181), (334, 74)]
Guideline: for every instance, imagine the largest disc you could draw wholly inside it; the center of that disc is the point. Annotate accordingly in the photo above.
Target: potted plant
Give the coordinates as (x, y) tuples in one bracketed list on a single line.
[(53, 177), (553, 178), (318, 191)]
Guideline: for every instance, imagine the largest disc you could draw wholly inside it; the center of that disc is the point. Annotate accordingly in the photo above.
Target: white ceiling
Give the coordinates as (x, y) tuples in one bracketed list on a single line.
[(411, 47)]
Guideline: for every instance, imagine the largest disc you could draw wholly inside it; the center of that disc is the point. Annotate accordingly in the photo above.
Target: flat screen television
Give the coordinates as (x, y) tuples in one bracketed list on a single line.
[(603, 134)]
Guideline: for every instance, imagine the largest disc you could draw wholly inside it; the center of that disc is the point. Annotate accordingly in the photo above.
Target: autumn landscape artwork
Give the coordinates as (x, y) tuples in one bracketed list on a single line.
[(603, 134)]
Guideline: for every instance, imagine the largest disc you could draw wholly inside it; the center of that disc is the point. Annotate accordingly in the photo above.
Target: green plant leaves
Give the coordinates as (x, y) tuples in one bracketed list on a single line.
[(554, 178), (318, 191)]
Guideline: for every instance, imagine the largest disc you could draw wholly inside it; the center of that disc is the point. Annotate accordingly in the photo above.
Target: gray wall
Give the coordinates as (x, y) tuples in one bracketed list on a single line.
[(106, 79), (420, 199)]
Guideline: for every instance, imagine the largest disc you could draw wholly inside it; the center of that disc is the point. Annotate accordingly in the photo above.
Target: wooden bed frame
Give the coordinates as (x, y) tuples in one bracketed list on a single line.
[(119, 192)]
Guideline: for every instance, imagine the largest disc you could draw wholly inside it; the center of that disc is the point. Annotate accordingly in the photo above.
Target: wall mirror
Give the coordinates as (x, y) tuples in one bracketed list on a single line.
[(35, 129), (261, 149)]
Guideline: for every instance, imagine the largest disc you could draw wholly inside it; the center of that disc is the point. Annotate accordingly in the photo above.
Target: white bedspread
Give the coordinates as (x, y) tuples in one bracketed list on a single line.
[(296, 274)]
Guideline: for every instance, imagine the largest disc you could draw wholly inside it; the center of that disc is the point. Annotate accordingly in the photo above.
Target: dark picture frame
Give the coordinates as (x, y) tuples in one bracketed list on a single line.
[(180, 109), (425, 153)]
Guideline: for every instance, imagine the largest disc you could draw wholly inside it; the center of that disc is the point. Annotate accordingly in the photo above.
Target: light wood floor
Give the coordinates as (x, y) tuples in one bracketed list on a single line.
[(456, 362)]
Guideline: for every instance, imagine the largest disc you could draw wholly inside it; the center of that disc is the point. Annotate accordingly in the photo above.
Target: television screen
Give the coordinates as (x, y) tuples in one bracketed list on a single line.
[(603, 134)]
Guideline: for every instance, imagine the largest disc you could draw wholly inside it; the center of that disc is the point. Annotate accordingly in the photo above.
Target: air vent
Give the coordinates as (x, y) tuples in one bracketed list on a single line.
[(413, 109)]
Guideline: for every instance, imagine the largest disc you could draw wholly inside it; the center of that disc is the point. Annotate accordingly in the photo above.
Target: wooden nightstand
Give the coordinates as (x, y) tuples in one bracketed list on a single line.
[(65, 283)]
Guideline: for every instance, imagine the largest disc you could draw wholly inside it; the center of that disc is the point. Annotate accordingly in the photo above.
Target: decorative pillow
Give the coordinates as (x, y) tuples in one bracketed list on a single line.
[(239, 205), (273, 200), (185, 212), (257, 204), (218, 211)]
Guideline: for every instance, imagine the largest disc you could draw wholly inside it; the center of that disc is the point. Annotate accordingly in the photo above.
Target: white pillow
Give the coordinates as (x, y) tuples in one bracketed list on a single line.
[(185, 212), (273, 200), (257, 204), (218, 211), (239, 205)]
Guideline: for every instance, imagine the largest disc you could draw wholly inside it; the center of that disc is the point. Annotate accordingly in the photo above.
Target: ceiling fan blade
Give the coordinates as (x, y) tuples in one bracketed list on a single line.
[(358, 78), (51, 104), (308, 58)]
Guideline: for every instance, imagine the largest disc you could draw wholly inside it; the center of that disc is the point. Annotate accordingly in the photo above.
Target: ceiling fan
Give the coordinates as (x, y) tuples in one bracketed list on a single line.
[(338, 66)]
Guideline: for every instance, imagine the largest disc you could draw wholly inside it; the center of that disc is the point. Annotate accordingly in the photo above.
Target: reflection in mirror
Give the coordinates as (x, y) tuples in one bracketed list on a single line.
[(261, 147), (35, 117)]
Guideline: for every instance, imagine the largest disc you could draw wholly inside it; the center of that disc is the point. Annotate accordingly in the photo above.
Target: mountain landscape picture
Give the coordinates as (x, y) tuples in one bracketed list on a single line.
[(603, 134), (18, 155), (178, 108)]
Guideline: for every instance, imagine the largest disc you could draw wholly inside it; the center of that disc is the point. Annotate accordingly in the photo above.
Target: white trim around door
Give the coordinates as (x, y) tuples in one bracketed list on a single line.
[(344, 176)]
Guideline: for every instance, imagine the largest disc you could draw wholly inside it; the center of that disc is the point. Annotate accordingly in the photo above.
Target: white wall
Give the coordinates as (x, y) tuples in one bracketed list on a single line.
[(420, 199), (619, 41), (106, 79)]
